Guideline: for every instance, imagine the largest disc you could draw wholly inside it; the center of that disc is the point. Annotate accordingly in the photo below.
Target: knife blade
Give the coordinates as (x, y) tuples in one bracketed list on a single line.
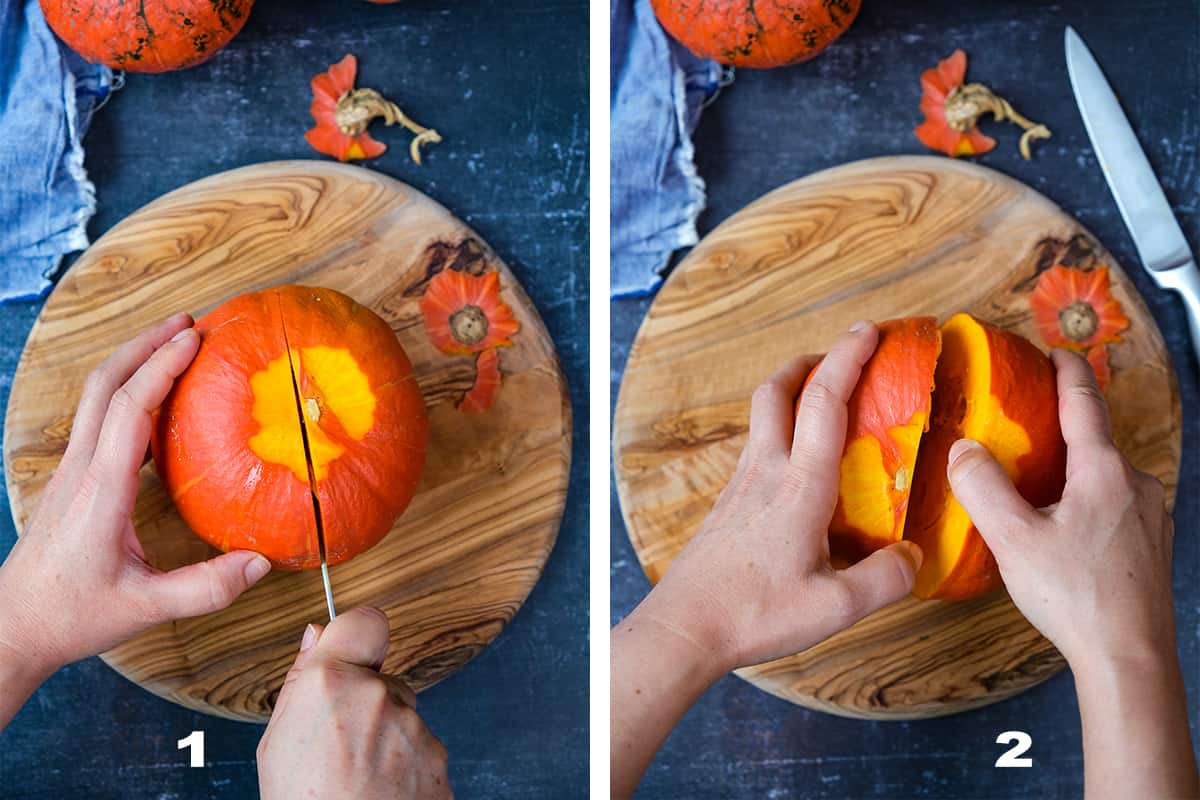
[(1156, 234)]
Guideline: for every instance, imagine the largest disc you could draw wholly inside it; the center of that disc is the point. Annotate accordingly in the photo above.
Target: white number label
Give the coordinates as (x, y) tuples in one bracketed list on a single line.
[(1020, 742), (195, 743)]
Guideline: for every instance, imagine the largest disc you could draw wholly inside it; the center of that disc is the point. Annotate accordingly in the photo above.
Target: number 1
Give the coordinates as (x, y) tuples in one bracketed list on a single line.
[(195, 743)]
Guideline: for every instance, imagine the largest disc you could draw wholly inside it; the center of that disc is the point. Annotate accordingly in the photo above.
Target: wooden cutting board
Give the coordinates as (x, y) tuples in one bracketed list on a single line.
[(877, 239), (465, 554)]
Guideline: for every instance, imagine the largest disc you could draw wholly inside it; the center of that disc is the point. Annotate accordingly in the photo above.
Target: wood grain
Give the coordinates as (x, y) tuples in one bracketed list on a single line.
[(463, 557), (876, 239)]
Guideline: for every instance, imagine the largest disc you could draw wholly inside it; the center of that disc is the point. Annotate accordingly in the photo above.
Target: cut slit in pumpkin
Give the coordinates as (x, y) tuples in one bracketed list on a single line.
[(300, 410), (979, 382)]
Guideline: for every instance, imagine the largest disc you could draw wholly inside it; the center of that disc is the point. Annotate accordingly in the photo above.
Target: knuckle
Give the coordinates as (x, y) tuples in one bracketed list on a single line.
[(819, 395), (94, 383), (221, 590), (766, 393), (1086, 392), (122, 402), (844, 602)]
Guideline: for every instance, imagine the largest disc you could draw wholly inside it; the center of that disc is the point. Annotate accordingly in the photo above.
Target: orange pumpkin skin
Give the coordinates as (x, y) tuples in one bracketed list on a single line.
[(227, 441), (999, 389), (150, 36), (886, 416), (743, 33)]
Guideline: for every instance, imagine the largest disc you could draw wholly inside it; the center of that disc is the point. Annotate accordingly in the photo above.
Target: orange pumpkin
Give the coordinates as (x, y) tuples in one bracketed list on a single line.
[(919, 393), (997, 388), (149, 36), (743, 33), (296, 391)]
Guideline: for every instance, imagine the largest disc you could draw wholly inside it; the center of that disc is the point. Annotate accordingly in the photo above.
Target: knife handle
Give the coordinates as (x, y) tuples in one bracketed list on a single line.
[(1186, 281)]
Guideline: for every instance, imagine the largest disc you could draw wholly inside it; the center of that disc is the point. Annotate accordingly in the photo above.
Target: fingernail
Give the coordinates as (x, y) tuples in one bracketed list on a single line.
[(861, 325), (961, 448), (183, 334), (256, 568), (310, 638), (915, 554)]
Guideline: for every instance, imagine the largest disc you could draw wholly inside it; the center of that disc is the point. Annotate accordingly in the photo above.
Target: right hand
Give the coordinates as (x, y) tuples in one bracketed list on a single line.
[(1092, 572), (342, 729)]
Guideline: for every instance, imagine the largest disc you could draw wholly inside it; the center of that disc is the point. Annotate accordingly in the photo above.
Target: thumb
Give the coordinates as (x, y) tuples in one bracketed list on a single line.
[(986, 492), (312, 634), (882, 578), (207, 586), (360, 636)]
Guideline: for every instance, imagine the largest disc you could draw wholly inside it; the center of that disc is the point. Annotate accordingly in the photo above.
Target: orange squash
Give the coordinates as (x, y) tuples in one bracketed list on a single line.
[(300, 406), (148, 36), (921, 391), (997, 388), (743, 33)]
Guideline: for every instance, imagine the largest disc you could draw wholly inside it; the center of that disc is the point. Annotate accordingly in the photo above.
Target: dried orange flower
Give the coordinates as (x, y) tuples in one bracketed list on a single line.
[(464, 313), (952, 111), (1098, 358), (487, 383), (1075, 309), (343, 114)]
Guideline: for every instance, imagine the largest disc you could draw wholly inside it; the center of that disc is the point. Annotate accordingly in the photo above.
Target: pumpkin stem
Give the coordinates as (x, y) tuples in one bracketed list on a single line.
[(357, 108), (967, 103)]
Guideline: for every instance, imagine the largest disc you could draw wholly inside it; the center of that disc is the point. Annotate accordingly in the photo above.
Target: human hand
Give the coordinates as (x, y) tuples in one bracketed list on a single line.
[(1092, 572), (77, 582), (341, 729), (755, 583)]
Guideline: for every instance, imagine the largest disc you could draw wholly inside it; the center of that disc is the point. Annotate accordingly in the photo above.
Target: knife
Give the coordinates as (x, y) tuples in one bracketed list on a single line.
[(1156, 234)]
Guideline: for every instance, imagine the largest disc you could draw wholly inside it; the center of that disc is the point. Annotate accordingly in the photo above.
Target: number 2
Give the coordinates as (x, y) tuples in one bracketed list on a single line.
[(195, 743), (1020, 742)]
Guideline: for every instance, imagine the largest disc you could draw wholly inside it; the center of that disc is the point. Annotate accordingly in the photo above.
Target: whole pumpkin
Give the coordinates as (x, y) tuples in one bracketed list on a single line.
[(147, 36), (295, 390), (743, 33)]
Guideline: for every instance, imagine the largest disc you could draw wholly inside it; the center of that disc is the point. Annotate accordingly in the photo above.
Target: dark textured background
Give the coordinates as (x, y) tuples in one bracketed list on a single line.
[(505, 82), (856, 100)]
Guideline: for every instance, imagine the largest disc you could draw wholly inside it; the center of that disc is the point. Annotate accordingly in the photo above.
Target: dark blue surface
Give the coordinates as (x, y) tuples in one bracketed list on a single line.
[(859, 99), (506, 85)]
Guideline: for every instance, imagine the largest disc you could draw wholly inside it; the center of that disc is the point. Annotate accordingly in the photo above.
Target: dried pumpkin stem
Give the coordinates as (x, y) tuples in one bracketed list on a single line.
[(356, 109), (967, 103)]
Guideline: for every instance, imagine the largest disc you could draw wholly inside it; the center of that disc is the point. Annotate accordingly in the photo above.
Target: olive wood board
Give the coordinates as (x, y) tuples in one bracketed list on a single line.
[(877, 239), (463, 557)]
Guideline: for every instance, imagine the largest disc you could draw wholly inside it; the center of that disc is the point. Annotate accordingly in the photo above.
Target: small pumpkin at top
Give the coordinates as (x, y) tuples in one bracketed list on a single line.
[(150, 36), (743, 33)]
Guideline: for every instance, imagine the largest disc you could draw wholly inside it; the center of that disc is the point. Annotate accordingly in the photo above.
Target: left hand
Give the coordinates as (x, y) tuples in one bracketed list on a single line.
[(77, 582), (755, 583)]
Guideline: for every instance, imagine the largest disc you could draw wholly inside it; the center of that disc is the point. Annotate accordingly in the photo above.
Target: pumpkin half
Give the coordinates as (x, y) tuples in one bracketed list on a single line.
[(921, 391), (298, 420), (148, 36)]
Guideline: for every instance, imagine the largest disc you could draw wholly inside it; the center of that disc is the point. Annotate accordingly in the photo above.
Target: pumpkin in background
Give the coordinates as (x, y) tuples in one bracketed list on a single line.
[(920, 392), (743, 33), (887, 414), (995, 387), (293, 389), (148, 36)]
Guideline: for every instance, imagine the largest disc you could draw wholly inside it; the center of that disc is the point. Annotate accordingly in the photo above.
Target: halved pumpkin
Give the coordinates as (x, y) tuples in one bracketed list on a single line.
[(921, 391)]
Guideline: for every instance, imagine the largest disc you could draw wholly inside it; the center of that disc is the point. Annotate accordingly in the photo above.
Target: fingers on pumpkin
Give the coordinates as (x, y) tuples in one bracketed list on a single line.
[(205, 587), (125, 433), (103, 381), (882, 578), (821, 420), (772, 420), (987, 494), (1082, 410)]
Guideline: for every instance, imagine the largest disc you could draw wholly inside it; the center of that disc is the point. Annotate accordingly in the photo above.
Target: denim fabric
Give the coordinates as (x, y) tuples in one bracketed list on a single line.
[(657, 90), (47, 96)]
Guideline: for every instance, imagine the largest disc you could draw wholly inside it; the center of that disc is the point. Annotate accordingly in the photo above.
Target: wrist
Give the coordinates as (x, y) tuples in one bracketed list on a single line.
[(24, 653), (1136, 658), (691, 629)]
